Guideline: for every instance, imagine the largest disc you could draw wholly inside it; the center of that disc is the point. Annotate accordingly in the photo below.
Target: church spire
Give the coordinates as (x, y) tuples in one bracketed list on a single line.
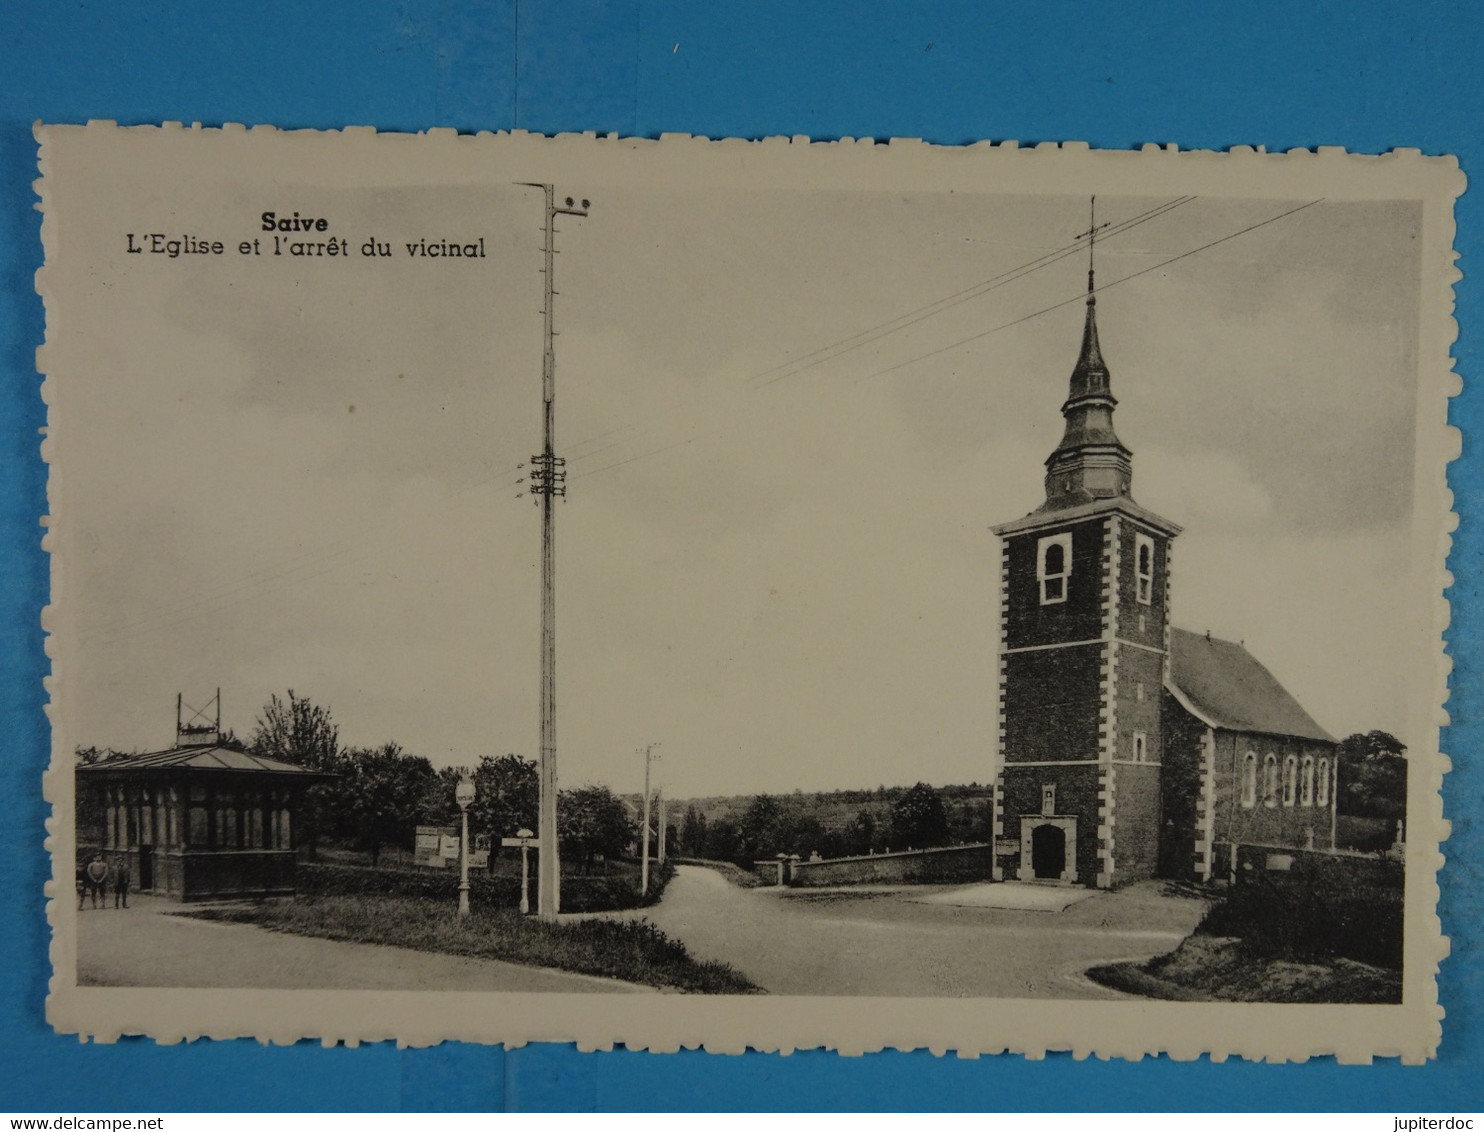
[(1091, 462)]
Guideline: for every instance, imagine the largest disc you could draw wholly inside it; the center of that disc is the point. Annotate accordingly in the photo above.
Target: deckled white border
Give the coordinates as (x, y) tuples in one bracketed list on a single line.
[(360, 157)]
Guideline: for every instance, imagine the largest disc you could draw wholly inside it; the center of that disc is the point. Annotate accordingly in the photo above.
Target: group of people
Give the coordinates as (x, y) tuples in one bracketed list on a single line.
[(98, 877)]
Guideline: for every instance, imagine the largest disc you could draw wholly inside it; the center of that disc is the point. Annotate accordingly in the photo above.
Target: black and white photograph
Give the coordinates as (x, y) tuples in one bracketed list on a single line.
[(727, 594)]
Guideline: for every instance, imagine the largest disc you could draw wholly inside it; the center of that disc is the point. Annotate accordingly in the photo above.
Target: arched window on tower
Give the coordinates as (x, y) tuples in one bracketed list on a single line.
[(1249, 780), (1290, 780), (1270, 781), (1323, 783), (1054, 567), (1144, 567), (1306, 784)]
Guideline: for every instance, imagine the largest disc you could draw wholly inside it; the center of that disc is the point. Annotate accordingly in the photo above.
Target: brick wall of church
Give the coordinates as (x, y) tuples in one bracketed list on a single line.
[(1184, 760), (1080, 617), (1136, 668), (1051, 704), (1136, 809), (1143, 622), (1077, 789), (1263, 823)]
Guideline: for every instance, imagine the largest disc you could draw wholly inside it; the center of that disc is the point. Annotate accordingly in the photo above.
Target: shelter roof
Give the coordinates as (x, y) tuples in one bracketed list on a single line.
[(208, 756), (1224, 685)]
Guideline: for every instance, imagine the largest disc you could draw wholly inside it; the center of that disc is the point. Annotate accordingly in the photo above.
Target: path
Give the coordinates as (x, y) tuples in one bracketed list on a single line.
[(146, 946), (885, 942)]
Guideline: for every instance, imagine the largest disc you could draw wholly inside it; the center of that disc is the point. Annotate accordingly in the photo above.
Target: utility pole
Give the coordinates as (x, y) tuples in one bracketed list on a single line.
[(659, 829), (648, 753), (548, 480)]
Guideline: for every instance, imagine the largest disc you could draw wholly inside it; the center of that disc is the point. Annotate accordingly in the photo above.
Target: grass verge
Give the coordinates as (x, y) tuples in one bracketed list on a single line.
[(633, 950)]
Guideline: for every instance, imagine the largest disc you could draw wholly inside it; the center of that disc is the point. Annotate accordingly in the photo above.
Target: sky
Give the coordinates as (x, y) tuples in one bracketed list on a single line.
[(775, 558)]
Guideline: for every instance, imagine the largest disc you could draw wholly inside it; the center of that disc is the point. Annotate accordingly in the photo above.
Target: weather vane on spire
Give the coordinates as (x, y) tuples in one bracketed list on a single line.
[(1093, 228)]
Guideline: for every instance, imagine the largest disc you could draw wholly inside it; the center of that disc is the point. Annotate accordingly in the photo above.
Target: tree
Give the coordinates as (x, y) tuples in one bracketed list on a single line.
[(507, 796), (859, 837), (693, 832), (301, 732), (381, 794), (1373, 776), (592, 820), (724, 842), (439, 805), (970, 818), (808, 836), (297, 731), (918, 819), (763, 829)]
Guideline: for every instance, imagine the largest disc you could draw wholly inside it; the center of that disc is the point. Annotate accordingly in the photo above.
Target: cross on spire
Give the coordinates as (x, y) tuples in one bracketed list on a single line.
[(1091, 236), (1090, 463)]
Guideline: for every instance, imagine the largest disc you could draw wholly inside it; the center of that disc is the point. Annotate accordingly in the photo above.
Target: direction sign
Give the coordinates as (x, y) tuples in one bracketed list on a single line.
[(520, 842)]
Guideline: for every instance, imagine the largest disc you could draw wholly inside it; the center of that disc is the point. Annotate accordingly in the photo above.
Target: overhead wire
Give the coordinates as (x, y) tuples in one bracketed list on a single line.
[(252, 585), (1082, 297)]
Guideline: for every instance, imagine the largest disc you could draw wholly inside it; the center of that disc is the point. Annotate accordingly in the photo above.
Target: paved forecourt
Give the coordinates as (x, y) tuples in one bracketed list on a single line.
[(889, 941)]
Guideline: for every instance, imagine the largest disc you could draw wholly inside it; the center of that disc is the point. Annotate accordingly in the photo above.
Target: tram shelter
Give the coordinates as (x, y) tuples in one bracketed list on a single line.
[(202, 821)]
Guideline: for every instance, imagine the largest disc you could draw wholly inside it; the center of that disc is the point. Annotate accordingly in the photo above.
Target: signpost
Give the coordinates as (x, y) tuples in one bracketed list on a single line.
[(435, 846), (525, 839)]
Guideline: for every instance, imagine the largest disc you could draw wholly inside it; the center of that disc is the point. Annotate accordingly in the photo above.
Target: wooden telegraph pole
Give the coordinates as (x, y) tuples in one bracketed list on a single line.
[(648, 753), (548, 480)]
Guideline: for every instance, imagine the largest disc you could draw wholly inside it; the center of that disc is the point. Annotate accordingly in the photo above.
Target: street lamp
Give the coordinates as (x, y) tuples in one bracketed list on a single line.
[(463, 794)]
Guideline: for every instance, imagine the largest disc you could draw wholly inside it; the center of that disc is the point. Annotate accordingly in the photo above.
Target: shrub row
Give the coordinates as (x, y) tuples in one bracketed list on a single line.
[(579, 893), (1313, 917)]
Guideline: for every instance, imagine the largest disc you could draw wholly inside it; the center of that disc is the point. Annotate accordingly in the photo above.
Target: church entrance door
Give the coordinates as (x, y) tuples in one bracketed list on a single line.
[(1048, 852)]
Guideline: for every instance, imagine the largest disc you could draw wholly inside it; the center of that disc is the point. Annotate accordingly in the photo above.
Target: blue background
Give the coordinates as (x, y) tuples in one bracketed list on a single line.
[(1365, 75)]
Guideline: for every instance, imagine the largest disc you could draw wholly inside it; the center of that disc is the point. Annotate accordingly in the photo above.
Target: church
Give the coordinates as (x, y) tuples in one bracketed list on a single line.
[(1128, 748)]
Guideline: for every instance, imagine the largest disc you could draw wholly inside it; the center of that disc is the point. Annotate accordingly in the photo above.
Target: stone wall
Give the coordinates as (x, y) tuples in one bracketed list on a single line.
[(957, 864)]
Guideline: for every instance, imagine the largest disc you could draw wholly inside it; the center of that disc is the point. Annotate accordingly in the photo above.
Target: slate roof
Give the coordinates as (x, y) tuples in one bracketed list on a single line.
[(205, 757), (1225, 685)]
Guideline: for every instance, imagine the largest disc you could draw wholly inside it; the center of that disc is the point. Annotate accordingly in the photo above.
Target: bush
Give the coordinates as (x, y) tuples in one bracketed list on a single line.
[(1314, 915), (579, 893)]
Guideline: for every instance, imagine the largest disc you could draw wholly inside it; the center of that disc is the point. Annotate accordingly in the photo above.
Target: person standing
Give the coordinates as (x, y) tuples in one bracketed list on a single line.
[(121, 879), (82, 885), (98, 879)]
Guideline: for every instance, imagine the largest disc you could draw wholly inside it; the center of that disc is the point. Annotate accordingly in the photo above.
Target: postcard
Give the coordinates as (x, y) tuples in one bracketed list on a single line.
[(746, 594)]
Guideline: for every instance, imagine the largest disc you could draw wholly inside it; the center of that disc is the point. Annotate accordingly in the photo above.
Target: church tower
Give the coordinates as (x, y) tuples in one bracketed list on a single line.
[(1084, 653)]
